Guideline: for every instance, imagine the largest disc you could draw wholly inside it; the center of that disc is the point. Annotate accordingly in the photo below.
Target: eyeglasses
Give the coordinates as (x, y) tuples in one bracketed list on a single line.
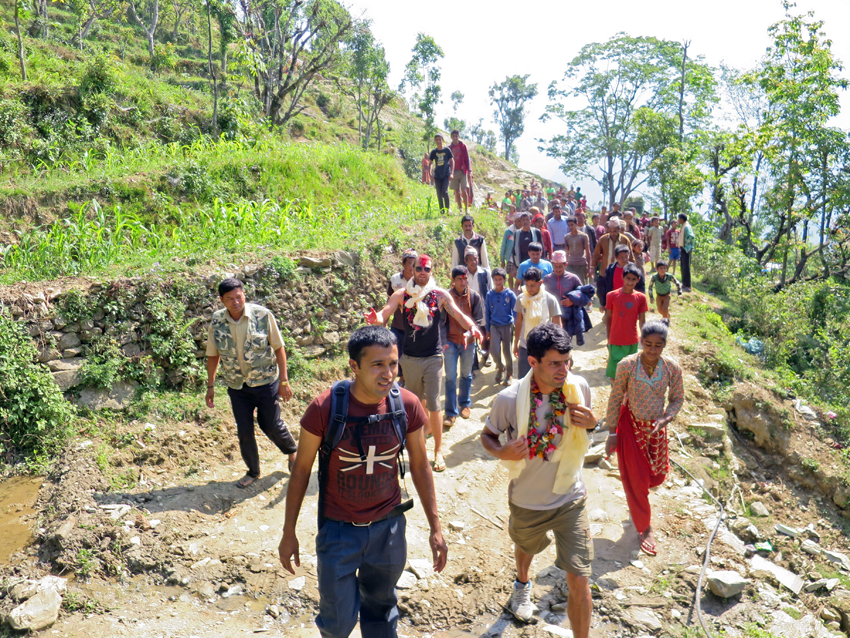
[(421, 268)]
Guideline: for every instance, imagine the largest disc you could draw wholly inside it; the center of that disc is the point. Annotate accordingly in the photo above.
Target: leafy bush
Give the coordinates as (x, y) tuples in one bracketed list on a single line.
[(804, 326), (164, 58), (196, 181), (35, 419), (412, 149), (168, 334), (329, 107), (239, 117), (76, 307), (296, 127), (98, 76), (13, 123), (97, 107), (104, 364), (283, 267)]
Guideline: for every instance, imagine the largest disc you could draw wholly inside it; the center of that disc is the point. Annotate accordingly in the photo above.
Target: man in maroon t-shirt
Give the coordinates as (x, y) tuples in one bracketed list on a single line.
[(361, 547), (460, 181)]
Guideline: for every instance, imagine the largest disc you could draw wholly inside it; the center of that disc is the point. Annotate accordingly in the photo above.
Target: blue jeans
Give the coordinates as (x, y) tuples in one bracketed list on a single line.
[(466, 356), (358, 569)]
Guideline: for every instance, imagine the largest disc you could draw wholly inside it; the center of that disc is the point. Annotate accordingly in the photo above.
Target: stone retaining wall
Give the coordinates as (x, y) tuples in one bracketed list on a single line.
[(317, 306)]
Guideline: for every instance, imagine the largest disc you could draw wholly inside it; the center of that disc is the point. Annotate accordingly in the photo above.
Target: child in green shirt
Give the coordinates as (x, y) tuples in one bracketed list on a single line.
[(662, 283)]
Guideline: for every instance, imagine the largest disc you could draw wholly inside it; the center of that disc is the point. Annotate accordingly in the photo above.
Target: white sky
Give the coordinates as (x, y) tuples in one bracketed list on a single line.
[(485, 41)]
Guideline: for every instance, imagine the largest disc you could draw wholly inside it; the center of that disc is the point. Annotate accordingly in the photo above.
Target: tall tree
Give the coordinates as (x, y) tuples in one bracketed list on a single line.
[(422, 78), (287, 43), (87, 12), (672, 168), (454, 123), (613, 80), (367, 68), (211, 69), (21, 11), (150, 11), (508, 99), (226, 19), (479, 135), (750, 106), (800, 81), (179, 8)]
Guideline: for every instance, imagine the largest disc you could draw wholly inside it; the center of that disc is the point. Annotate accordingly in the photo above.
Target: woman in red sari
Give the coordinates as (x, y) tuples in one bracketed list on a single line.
[(426, 169), (639, 437)]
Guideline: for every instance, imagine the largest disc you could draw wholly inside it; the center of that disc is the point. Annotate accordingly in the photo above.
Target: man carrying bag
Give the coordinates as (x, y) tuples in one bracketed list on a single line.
[(361, 428)]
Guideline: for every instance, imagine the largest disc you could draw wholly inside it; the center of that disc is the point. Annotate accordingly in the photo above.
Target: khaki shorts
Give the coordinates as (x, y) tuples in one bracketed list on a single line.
[(569, 523), (423, 376), (458, 180), (579, 271)]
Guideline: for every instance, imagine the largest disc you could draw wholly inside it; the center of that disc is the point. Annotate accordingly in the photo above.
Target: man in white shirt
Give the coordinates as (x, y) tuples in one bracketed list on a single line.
[(546, 491)]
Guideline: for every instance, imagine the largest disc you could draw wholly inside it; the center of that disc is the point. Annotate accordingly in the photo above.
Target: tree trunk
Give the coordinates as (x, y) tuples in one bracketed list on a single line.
[(21, 57), (685, 46), (40, 28), (785, 258), (759, 157), (150, 32), (212, 73), (360, 115)]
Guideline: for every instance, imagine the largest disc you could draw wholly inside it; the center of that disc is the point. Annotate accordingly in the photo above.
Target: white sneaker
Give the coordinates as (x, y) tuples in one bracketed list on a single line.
[(521, 605)]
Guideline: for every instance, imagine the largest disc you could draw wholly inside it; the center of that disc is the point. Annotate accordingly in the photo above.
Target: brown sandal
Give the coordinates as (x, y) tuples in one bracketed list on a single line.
[(246, 481)]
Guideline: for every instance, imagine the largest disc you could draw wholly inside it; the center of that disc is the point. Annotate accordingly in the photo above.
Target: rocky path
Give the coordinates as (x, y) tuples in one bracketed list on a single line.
[(226, 579)]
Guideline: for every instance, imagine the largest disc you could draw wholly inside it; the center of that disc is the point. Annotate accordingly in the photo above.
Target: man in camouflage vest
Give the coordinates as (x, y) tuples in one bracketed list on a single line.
[(244, 339)]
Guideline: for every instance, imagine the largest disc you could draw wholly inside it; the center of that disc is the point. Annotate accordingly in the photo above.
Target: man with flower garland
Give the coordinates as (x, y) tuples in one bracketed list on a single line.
[(546, 417), (421, 302)]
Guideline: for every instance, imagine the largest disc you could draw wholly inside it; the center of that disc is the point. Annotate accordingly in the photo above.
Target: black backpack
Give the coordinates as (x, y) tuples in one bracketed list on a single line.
[(340, 393)]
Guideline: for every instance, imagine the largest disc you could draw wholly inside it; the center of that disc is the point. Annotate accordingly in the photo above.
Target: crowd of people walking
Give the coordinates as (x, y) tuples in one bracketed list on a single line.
[(526, 304)]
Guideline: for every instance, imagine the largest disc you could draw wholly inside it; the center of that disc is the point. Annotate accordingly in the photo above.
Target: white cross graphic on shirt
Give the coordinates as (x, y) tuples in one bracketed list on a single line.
[(371, 459)]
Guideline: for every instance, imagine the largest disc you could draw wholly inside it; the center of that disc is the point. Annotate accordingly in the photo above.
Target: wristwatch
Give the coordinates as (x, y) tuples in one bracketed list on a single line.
[(285, 382)]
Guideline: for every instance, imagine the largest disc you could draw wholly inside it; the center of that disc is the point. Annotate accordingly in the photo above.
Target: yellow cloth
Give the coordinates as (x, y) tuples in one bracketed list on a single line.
[(572, 447), (535, 307)]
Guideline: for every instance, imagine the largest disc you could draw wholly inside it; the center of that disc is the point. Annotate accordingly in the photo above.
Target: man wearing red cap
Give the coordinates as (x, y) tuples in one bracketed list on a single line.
[(421, 302)]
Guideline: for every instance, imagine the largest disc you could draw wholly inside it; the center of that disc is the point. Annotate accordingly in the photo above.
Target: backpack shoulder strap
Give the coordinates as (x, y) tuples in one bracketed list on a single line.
[(338, 415), (399, 419), (333, 434), (399, 414)]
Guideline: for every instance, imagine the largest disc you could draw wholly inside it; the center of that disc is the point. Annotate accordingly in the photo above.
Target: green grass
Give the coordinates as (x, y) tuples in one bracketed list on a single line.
[(723, 363), (367, 207), (752, 630)]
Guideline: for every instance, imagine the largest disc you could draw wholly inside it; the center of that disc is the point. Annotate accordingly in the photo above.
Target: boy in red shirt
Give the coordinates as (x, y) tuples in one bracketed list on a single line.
[(625, 310)]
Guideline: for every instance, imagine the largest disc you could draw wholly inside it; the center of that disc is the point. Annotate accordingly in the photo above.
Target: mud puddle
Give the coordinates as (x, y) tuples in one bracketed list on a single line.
[(17, 498)]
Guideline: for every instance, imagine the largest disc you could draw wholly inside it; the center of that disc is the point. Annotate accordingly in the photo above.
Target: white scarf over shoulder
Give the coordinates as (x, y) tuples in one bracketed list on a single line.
[(535, 309), (417, 296), (570, 451)]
